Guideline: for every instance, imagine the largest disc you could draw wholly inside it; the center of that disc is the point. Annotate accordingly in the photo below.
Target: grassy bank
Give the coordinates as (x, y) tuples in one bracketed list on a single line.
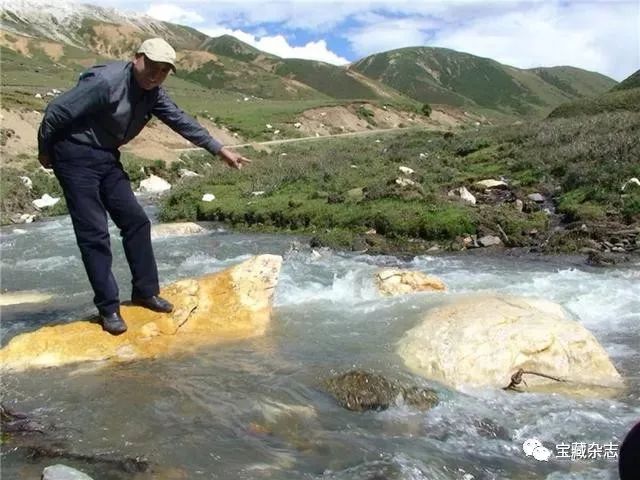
[(338, 190), (344, 192)]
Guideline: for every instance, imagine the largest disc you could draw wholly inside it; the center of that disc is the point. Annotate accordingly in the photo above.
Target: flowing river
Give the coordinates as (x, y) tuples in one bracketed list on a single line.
[(255, 409)]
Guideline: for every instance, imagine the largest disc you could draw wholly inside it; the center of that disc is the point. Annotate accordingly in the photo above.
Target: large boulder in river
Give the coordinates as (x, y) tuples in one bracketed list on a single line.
[(395, 281), (229, 305), (506, 342)]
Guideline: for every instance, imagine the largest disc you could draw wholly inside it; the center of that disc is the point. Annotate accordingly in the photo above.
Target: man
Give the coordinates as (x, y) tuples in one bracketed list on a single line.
[(629, 455), (79, 137)]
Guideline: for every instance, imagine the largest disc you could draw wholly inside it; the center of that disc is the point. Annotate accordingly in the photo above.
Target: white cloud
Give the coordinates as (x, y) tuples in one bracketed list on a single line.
[(278, 45), (598, 35), (172, 13), (593, 35), (383, 34)]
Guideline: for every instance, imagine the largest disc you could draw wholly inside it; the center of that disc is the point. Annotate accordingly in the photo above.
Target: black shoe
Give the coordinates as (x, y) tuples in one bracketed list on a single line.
[(155, 303), (113, 323)]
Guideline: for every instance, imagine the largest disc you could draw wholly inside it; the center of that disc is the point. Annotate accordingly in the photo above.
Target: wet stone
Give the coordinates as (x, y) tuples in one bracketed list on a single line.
[(489, 429), (360, 391)]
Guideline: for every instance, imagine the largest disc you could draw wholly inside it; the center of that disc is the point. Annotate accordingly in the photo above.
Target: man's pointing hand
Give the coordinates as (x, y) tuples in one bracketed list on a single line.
[(233, 159)]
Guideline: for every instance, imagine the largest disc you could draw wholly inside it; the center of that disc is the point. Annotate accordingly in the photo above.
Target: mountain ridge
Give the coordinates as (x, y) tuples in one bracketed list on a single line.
[(408, 75)]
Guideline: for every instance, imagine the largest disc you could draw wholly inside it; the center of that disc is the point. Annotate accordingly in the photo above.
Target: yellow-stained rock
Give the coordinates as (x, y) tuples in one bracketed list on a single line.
[(393, 281), (229, 305), (483, 340)]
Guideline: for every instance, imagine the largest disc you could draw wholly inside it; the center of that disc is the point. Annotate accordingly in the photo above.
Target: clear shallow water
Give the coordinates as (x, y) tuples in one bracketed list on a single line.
[(254, 409)]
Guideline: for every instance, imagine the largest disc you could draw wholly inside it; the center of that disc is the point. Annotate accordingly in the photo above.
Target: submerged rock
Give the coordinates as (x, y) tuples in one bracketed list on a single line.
[(359, 391), (26, 437), (62, 472), (508, 342), (229, 305), (15, 298), (175, 229)]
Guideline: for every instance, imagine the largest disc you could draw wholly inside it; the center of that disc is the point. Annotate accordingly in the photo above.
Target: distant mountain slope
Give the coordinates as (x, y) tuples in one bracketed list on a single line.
[(623, 96), (575, 81), (613, 101), (231, 47), (329, 79), (67, 22), (439, 75), (632, 81), (85, 32), (73, 36)]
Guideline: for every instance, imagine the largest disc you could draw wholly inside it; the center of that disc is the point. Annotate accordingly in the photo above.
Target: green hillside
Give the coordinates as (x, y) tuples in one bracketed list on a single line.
[(632, 81), (331, 80), (575, 81), (402, 77), (247, 78), (404, 71), (231, 47), (625, 96), (438, 75), (614, 101)]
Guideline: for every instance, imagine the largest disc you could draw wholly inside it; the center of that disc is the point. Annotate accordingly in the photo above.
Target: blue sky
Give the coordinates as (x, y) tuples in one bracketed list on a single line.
[(597, 35)]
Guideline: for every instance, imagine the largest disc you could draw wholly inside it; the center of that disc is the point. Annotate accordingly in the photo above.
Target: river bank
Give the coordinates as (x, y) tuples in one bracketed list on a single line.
[(554, 186)]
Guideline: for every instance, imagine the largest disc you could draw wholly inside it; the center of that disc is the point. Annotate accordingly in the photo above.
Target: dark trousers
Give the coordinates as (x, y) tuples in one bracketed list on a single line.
[(94, 183)]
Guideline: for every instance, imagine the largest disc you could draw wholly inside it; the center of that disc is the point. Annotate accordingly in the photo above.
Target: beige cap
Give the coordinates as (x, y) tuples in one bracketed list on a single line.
[(158, 50)]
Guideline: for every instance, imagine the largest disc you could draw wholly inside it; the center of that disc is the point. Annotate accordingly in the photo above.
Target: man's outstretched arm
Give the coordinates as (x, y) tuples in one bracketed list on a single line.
[(184, 124)]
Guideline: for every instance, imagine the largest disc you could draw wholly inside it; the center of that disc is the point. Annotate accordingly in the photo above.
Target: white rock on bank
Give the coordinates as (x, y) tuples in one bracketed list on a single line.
[(631, 182), (154, 184), (464, 195), (45, 201), (26, 181), (405, 182), (491, 183), (483, 340), (183, 172), (208, 197), (22, 218), (406, 170), (489, 241)]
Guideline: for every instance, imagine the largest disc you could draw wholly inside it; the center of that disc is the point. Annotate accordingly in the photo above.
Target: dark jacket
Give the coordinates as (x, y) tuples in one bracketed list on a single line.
[(107, 108)]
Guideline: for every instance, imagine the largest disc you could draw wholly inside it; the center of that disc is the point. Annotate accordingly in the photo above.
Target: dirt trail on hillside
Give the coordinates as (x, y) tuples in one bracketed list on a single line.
[(159, 142)]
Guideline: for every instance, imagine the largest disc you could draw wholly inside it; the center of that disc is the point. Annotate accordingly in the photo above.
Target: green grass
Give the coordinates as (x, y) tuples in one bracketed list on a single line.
[(310, 190), (16, 198)]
